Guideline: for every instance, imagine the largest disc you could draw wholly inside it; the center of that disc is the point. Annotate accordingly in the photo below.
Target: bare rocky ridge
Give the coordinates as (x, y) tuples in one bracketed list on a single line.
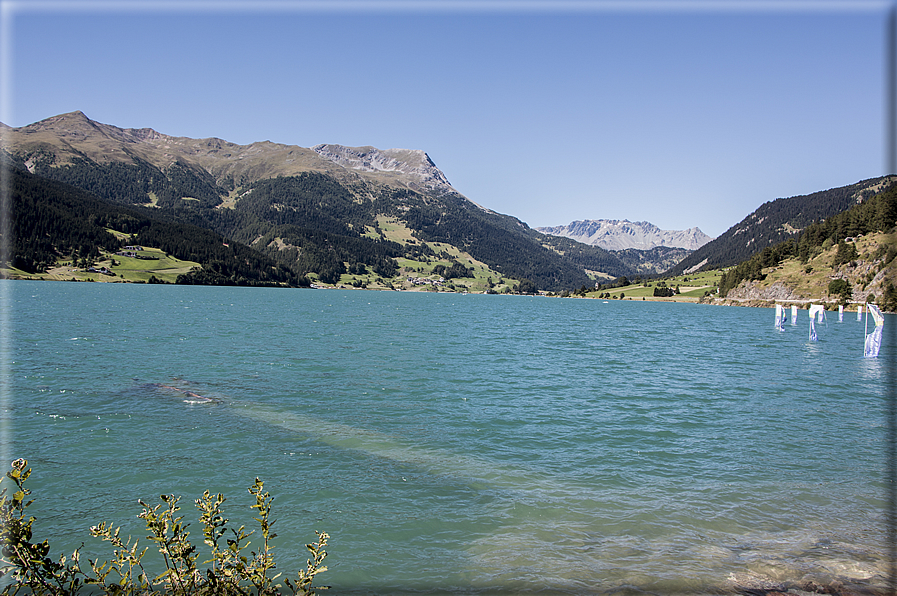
[(72, 136), (414, 164), (613, 234)]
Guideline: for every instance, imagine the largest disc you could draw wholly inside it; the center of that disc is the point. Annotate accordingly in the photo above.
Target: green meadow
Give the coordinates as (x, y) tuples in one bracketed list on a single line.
[(153, 264), (692, 287)]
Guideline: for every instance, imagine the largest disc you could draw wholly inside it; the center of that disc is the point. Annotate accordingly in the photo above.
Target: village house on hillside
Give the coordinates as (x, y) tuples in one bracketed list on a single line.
[(423, 281)]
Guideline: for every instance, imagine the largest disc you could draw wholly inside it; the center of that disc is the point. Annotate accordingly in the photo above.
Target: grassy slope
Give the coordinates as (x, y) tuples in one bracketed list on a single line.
[(396, 231), (691, 287), (809, 281), (798, 282), (127, 269)]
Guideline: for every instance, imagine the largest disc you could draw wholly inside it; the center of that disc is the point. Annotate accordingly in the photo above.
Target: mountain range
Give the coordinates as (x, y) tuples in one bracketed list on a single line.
[(329, 211), (72, 139), (318, 211), (614, 234)]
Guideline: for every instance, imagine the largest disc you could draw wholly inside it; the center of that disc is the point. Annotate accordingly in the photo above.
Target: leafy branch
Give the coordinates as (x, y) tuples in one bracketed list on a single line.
[(26, 566)]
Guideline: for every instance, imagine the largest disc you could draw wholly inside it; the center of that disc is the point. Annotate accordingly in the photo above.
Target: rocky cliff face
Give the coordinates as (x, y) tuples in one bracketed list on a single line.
[(753, 290), (613, 234), (414, 164)]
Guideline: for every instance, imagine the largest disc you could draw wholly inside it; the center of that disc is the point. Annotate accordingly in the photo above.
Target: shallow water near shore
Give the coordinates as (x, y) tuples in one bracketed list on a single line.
[(461, 443)]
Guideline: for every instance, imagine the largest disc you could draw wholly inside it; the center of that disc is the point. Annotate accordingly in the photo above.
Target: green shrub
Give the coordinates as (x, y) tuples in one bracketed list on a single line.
[(840, 287), (888, 300), (25, 565), (845, 254)]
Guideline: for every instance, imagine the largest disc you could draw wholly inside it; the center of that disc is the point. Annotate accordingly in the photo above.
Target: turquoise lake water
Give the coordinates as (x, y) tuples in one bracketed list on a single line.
[(460, 443)]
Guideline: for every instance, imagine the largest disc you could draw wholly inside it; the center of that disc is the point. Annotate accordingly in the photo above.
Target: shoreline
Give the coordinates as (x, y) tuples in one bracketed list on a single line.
[(802, 303)]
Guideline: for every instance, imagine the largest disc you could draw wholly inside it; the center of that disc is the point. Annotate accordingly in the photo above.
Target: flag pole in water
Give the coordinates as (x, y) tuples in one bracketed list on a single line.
[(815, 309), (872, 343), (865, 326)]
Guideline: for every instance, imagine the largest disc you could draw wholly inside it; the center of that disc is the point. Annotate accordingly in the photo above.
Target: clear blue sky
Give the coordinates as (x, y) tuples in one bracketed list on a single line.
[(681, 114)]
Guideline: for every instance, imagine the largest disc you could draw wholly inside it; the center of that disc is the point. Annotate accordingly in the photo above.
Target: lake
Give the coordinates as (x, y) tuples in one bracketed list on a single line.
[(460, 443)]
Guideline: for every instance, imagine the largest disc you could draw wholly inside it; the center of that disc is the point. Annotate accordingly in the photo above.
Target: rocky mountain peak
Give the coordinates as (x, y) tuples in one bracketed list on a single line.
[(615, 234), (413, 163), (74, 136), (76, 129), (73, 124)]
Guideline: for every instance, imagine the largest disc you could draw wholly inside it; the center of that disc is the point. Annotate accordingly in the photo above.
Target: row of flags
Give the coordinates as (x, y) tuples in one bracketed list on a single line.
[(872, 343)]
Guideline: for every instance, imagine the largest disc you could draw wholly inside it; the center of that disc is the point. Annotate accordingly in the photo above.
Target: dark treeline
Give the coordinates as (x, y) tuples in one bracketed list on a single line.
[(877, 214), (327, 254), (223, 263), (308, 223), (313, 201), (133, 183), (664, 256), (504, 243), (184, 181), (661, 290), (52, 220), (586, 256), (453, 271)]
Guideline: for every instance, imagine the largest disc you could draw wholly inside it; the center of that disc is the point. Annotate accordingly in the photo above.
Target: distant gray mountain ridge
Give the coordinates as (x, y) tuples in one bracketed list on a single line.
[(615, 234)]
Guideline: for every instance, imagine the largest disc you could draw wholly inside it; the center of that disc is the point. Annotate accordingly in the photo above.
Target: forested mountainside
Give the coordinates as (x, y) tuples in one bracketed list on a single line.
[(310, 210), (50, 220), (652, 261), (777, 221), (826, 252), (320, 212)]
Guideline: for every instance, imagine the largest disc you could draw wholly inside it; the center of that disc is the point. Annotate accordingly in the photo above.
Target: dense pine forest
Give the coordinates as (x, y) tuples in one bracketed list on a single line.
[(51, 220)]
